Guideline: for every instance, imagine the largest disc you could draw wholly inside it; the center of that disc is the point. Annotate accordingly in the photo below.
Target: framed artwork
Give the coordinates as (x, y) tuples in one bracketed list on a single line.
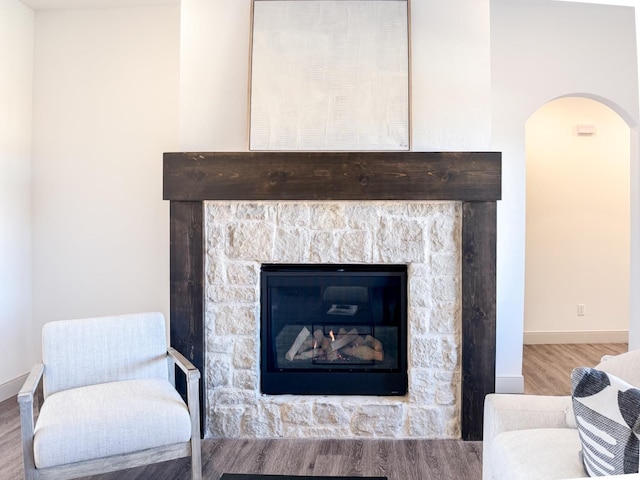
[(329, 75)]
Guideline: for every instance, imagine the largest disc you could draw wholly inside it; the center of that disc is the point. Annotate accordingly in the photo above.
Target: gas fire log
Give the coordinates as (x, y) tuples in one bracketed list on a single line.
[(356, 340), (369, 341), (342, 340), (329, 352), (348, 342), (364, 353), (318, 336), (306, 345), (373, 342), (306, 355), (300, 339), (325, 344)]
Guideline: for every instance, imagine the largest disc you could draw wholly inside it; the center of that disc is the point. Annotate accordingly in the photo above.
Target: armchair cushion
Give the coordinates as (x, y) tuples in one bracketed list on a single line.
[(109, 419), (539, 453), (607, 413)]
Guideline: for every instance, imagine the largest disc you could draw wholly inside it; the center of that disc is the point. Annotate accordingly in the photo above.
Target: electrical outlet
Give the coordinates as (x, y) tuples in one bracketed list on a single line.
[(581, 309)]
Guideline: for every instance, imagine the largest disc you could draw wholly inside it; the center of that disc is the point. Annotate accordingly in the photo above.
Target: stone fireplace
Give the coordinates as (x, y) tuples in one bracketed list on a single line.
[(435, 213), (240, 236)]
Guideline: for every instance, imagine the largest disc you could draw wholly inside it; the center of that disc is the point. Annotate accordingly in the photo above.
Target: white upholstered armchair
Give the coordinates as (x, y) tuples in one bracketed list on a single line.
[(109, 402)]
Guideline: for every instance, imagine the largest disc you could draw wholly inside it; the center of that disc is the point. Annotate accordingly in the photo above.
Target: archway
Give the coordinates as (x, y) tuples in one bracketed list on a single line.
[(577, 260)]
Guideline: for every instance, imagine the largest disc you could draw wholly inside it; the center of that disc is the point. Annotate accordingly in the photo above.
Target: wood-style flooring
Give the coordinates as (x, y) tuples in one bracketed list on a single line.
[(546, 369)]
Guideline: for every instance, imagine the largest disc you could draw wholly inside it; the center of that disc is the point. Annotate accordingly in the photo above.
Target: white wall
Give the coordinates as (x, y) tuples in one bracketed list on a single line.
[(450, 61), (16, 80), (541, 51), (214, 72), (451, 76), (577, 237), (105, 110)]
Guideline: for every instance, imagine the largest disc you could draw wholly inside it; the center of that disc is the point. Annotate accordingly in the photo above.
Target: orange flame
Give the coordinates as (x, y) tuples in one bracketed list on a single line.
[(333, 338)]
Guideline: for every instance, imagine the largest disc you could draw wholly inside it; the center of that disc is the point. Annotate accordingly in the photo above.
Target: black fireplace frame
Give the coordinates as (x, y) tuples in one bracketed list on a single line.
[(328, 381), (472, 178)]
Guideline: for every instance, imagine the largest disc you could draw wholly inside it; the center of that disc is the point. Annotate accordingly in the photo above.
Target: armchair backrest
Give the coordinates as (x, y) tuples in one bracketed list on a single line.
[(89, 351)]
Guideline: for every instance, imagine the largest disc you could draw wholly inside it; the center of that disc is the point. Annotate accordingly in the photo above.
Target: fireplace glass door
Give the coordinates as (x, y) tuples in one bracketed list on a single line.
[(334, 329)]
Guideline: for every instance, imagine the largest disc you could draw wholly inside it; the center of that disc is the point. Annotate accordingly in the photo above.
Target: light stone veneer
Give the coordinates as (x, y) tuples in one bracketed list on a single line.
[(240, 236)]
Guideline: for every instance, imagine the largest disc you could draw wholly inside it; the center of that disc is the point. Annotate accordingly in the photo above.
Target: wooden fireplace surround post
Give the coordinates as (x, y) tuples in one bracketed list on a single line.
[(473, 178)]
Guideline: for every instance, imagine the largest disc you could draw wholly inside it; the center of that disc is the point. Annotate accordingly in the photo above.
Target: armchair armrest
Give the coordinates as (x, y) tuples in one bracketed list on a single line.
[(193, 395), (505, 412), (31, 383), (29, 391), (26, 397), (185, 365)]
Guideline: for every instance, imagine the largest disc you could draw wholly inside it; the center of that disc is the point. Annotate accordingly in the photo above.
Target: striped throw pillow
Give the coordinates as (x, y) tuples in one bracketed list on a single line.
[(607, 412)]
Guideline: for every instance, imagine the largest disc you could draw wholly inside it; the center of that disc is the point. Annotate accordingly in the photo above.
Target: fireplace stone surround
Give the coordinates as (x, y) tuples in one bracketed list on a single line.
[(471, 179), (241, 235)]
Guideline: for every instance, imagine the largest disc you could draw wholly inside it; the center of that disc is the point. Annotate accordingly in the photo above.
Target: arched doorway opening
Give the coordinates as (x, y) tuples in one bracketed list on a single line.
[(577, 255)]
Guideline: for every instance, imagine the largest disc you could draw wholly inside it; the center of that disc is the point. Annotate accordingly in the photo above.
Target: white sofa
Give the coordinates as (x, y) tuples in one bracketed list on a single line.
[(529, 437)]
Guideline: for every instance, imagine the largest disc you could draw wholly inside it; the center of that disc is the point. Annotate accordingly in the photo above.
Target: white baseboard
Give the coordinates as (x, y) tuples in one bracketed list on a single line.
[(600, 336), (12, 387), (512, 384)]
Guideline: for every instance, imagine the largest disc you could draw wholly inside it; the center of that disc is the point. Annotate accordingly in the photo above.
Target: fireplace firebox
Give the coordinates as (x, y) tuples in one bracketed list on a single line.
[(334, 329)]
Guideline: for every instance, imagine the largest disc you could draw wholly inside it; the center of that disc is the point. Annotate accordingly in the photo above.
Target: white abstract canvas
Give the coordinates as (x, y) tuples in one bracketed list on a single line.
[(329, 75)]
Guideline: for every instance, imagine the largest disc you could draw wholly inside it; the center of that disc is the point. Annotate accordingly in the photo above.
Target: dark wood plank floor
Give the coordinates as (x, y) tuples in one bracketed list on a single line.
[(546, 369)]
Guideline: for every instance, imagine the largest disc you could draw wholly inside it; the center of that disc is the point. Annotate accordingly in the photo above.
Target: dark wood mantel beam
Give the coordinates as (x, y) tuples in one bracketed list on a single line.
[(462, 176), (473, 178)]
